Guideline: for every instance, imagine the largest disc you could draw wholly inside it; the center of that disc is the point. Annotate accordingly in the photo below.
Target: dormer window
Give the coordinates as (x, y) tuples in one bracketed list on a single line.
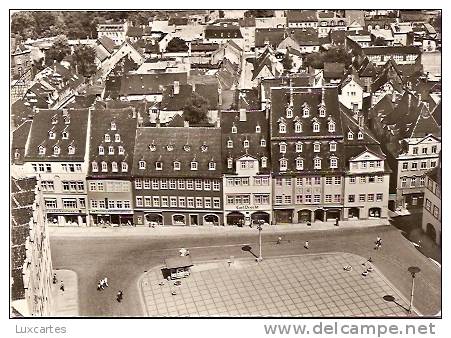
[(104, 167), (299, 164), (101, 150), (71, 150), (289, 112), (258, 129), (264, 162), (212, 165), (158, 165), (51, 135), (282, 148), (194, 165), (234, 129), (229, 144), (124, 167), (322, 111), (262, 142), (333, 146), (110, 150), (230, 163), (204, 148), (142, 164), (315, 127), (152, 147), (350, 135), (169, 147), (121, 150), (41, 150), (67, 120), (186, 147), (282, 128), (107, 138), (246, 144), (114, 167), (283, 164), (360, 135), (317, 163), (65, 135), (305, 110), (56, 150), (54, 120), (333, 163), (298, 127), (113, 125), (317, 147), (331, 126), (95, 167), (117, 138), (298, 147), (176, 165)]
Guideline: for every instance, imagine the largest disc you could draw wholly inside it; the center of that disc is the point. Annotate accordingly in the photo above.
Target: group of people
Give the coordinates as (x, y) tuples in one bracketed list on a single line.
[(103, 283)]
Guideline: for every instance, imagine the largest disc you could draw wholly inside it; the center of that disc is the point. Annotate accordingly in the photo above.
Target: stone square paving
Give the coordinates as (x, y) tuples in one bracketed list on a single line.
[(296, 286)]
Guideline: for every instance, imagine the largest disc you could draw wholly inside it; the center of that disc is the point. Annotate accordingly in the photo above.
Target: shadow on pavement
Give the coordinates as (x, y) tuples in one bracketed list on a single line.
[(249, 249), (390, 298)]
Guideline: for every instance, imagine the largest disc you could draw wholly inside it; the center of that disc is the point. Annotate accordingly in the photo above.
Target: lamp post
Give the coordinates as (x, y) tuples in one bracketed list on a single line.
[(259, 228), (413, 271)]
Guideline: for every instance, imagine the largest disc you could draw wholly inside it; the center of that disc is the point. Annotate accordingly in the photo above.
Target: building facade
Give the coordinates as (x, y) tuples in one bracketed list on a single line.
[(177, 175), (247, 179), (56, 151), (432, 208)]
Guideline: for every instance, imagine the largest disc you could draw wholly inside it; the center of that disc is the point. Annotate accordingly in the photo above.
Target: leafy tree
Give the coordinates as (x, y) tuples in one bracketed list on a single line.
[(177, 45), (259, 13), (195, 109), (22, 23), (58, 50), (287, 62), (84, 57), (334, 54), (379, 41)]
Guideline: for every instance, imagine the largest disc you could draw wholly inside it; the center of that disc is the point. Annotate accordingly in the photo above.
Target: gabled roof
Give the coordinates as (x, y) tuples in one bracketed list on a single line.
[(186, 146), (74, 122), (352, 77), (107, 43), (225, 31), (301, 16), (271, 36), (19, 140), (425, 124), (349, 124), (146, 84)]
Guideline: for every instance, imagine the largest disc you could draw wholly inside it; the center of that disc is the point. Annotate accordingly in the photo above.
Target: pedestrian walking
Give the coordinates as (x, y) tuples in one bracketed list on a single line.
[(99, 286), (306, 245), (279, 240), (378, 239), (62, 286), (105, 281), (336, 222), (309, 223), (119, 296), (54, 278)]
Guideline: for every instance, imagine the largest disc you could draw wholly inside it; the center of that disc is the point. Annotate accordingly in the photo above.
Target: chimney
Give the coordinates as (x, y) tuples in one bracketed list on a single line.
[(267, 110), (134, 112), (176, 87), (361, 121), (291, 95), (65, 112), (186, 124), (194, 87), (323, 94), (242, 115)]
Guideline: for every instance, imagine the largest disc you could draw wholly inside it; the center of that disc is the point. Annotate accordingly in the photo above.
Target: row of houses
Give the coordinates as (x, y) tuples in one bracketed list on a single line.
[(302, 158)]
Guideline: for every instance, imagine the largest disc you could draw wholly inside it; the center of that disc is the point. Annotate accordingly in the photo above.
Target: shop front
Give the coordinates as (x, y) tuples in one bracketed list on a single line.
[(247, 215), (283, 216), (66, 218), (105, 218)]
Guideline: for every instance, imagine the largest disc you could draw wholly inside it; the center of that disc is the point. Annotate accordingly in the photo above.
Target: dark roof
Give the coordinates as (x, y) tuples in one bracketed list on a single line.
[(76, 128), (245, 131), (135, 31), (337, 36), (333, 70), (204, 47), (425, 124), (301, 16), (22, 199), (146, 84), (305, 36), (225, 31), (271, 36), (248, 99), (390, 50), (178, 138), (171, 101), (178, 21), (126, 125), (20, 112), (19, 140), (107, 43), (349, 124)]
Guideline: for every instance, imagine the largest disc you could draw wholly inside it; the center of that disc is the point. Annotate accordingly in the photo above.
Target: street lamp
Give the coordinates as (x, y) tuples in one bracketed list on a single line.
[(259, 228), (413, 270)]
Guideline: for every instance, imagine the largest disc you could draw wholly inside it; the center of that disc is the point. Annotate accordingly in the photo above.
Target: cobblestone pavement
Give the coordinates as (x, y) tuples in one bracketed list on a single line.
[(313, 285), (65, 303)]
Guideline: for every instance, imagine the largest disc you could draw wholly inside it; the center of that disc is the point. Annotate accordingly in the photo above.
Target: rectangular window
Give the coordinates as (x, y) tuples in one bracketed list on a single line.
[(163, 184), (119, 205), (329, 180), (172, 184), (362, 197), (94, 204), (337, 198), (379, 197), (73, 186), (299, 181), (428, 205), (351, 198), (414, 165), (229, 182), (230, 200), (287, 199), (424, 150), (198, 183), (352, 179), (288, 182), (371, 179), (66, 186), (146, 183), (362, 179), (308, 198), (328, 199), (316, 198), (156, 201), (405, 165), (279, 181), (111, 204), (190, 202), (164, 201), (48, 167), (139, 201), (370, 197), (299, 199), (278, 199), (50, 203), (337, 180), (173, 202), (190, 184), (182, 202), (147, 201), (216, 185), (199, 202), (207, 185), (423, 165), (422, 180), (380, 179), (317, 180), (217, 202), (403, 182), (69, 203), (207, 202), (308, 181), (413, 182)]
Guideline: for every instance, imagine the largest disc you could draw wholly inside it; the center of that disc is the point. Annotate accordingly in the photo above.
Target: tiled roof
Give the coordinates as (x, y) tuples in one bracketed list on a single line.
[(271, 36), (107, 43), (224, 31), (390, 50), (425, 124), (248, 99), (101, 124), (349, 124), (246, 130), (185, 145), (146, 84), (301, 16), (54, 121), (334, 70), (338, 37), (305, 36), (20, 112), (19, 140)]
